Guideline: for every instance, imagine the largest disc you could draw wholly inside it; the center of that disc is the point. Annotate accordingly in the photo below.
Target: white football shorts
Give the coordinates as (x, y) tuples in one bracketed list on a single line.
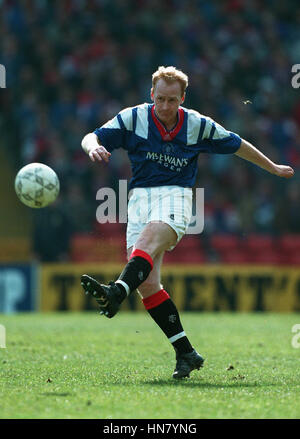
[(170, 204)]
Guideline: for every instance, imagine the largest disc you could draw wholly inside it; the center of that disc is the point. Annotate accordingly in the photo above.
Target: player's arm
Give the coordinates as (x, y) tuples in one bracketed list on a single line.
[(248, 152), (110, 136), (91, 145)]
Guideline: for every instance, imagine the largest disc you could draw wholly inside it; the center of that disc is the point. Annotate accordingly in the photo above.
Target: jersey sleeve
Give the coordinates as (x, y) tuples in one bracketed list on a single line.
[(114, 133), (218, 139)]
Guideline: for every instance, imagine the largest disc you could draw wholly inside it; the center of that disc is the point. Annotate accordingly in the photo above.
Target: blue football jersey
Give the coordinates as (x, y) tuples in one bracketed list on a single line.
[(159, 157)]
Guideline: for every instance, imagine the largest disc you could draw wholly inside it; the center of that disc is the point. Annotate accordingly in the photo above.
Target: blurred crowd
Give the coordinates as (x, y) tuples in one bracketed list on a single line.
[(73, 64)]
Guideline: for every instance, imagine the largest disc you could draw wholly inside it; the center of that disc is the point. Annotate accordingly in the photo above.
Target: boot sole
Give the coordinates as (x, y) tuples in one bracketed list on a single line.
[(94, 289)]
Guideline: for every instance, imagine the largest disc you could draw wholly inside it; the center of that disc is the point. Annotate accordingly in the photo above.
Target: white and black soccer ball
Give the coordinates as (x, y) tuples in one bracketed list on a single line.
[(37, 185)]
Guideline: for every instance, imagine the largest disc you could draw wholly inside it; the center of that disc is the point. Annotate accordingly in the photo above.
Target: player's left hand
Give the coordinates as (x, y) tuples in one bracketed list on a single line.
[(284, 171)]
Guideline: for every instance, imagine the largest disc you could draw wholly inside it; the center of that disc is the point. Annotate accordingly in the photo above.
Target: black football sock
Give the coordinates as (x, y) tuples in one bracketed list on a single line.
[(165, 314), (135, 272)]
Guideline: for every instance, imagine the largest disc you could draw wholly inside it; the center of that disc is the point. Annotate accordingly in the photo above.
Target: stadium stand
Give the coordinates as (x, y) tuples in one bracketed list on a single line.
[(72, 65)]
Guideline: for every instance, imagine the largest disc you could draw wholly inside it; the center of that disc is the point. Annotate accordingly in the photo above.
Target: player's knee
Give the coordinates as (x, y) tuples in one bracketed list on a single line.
[(155, 239)]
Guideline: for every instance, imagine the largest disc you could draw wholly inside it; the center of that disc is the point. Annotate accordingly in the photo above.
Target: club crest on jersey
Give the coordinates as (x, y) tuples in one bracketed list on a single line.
[(168, 148)]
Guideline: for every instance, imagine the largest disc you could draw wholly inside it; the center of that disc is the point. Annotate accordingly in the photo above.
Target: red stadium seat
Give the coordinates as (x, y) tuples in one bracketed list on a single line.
[(188, 250), (293, 259), (225, 243), (261, 249), (258, 243), (192, 257), (266, 257), (111, 230), (189, 242), (89, 248), (234, 257), (289, 243)]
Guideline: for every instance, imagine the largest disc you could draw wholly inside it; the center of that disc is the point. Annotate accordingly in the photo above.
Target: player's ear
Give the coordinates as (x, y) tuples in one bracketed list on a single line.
[(183, 98), (152, 94)]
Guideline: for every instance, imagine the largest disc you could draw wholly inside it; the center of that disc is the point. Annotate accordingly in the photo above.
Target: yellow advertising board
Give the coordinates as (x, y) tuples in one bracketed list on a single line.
[(193, 288)]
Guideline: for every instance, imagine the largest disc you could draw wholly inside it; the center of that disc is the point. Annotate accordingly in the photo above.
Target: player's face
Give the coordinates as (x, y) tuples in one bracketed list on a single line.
[(167, 98)]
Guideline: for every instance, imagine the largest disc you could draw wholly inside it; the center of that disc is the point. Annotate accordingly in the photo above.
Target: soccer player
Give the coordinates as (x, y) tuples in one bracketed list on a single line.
[(163, 141)]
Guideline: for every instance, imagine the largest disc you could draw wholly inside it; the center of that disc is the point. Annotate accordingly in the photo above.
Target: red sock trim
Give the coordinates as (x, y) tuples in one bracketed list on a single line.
[(142, 254), (156, 299)]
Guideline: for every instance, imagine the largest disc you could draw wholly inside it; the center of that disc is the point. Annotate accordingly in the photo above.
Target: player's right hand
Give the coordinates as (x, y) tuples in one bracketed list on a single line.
[(99, 154)]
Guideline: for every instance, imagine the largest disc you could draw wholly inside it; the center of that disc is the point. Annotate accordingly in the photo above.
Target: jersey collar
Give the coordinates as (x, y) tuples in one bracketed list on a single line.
[(168, 135)]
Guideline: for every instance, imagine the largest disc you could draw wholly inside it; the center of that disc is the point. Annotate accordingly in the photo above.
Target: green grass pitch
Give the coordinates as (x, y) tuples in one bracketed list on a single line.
[(81, 365)]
